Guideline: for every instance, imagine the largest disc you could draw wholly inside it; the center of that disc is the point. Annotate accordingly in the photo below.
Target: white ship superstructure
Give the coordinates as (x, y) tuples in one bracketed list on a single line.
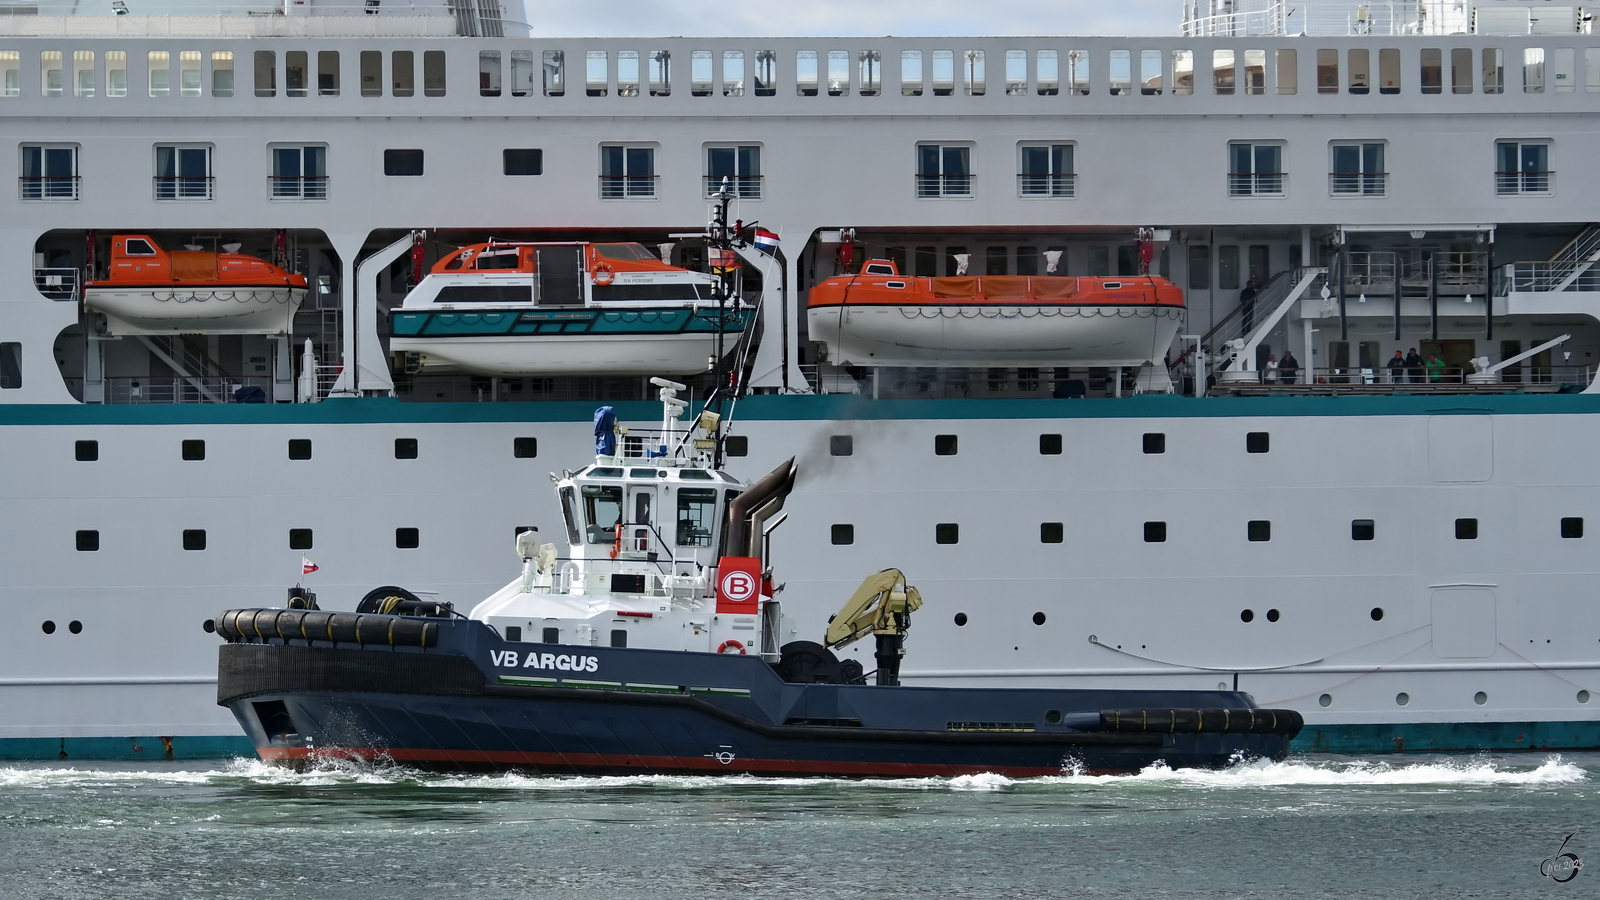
[(1401, 552)]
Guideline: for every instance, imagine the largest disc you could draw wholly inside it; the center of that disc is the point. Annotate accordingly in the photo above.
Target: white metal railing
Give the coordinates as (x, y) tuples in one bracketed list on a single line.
[(1572, 268), (57, 283), (1240, 18), (180, 389)]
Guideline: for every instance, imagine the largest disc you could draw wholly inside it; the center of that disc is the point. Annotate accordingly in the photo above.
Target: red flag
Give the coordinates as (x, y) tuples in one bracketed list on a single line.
[(307, 566)]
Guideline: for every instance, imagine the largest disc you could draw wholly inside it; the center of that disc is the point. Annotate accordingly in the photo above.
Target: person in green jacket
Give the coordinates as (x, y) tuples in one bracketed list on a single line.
[(1435, 369)]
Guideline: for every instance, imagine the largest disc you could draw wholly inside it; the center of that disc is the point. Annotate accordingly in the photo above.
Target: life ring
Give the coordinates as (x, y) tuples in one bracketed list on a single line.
[(603, 275), (731, 646)]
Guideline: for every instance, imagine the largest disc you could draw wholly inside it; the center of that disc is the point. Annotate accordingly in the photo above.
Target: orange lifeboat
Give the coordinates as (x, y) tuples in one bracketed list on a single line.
[(149, 290), (883, 318)]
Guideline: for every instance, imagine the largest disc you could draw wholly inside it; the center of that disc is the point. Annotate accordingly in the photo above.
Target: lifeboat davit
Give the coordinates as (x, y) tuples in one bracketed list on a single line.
[(149, 290), (883, 318), (517, 309)]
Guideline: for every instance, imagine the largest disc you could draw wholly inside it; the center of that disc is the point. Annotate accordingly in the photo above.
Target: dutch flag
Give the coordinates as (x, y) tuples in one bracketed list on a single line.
[(307, 566), (765, 239)]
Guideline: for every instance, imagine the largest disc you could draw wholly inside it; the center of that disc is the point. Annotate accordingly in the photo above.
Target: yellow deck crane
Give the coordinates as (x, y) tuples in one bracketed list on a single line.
[(882, 606)]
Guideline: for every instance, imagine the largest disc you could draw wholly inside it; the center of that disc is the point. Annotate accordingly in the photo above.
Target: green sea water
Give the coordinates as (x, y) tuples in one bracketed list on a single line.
[(1401, 827)]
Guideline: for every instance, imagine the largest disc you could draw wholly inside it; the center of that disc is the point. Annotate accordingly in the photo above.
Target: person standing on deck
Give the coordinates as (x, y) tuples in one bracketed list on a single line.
[(1435, 369), (1414, 366), (1396, 367), (1288, 368)]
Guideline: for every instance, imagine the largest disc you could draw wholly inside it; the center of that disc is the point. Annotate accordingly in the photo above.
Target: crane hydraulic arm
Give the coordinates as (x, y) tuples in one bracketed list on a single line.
[(882, 606)]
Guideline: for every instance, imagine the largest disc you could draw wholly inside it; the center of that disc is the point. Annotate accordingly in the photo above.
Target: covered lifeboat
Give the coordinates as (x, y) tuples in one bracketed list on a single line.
[(521, 309), (149, 290), (883, 318)]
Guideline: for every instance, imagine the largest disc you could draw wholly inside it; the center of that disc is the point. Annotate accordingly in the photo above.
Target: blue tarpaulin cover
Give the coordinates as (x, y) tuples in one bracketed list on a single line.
[(605, 431)]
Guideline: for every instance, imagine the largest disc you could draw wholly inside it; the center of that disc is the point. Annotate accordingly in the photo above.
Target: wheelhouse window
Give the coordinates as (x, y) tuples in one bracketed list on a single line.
[(1120, 73), (569, 513), (602, 512), (183, 172), (299, 173), (739, 166), (944, 170), (403, 73), (1150, 73), (371, 66), (697, 512), (116, 73), (1046, 171), (1358, 170), (1522, 167), (627, 172), (1183, 72), (1255, 170), (49, 172)]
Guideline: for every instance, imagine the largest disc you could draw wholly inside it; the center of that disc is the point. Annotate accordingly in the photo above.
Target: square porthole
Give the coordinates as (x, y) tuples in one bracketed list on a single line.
[(194, 539), (1155, 442), (841, 445), (737, 445), (1156, 533), (88, 541), (299, 448), (947, 533), (1051, 533), (1362, 529), (86, 451), (406, 538), (619, 638), (844, 534), (299, 539), (944, 445), (551, 636), (1049, 445), (193, 450), (405, 448), (521, 448), (1257, 442), (1466, 529), (513, 634), (1572, 527), (1259, 530)]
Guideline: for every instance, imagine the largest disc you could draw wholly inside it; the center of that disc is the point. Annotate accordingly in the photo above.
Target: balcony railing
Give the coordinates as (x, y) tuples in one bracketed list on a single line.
[(1523, 182), (299, 187), (1360, 184), (57, 283), (619, 187), (745, 187), (184, 187), (1048, 185), (1256, 184), (49, 187), (944, 185)]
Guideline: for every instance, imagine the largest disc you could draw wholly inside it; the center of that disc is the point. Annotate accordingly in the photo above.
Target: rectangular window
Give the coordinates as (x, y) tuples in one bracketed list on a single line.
[(1466, 529), (116, 73), (1051, 532), (1494, 70), (1362, 530), (10, 365), (1327, 71), (300, 539), (947, 533), (299, 448), (1255, 170), (1155, 532), (944, 73), (1049, 445), (1257, 441), (766, 73), (944, 170), (1078, 72), (1222, 80), (1591, 69), (1155, 442), (160, 62), (841, 445), (1228, 267), (407, 538), (739, 167), (488, 73), (86, 451), (1432, 75), (1258, 530), (555, 73), (433, 76), (1150, 81), (222, 73), (192, 450), (405, 448), (627, 172), (523, 162), (697, 510), (733, 73), (1562, 76), (736, 445), (1360, 71), (805, 73), (1389, 71), (189, 73), (88, 541), (552, 635), (49, 172), (1027, 264), (842, 535), (700, 73), (627, 73), (1358, 170), (183, 172), (524, 448), (1120, 73), (660, 73), (1016, 73), (1255, 71), (1572, 527), (522, 72), (1046, 171), (371, 62), (870, 69), (1199, 267), (266, 68), (295, 73), (11, 73), (402, 162), (1183, 72), (403, 73), (1288, 73), (1533, 70), (1522, 168), (972, 72), (299, 173), (1461, 70), (947, 444), (1047, 69), (83, 73), (911, 73), (838, 73)]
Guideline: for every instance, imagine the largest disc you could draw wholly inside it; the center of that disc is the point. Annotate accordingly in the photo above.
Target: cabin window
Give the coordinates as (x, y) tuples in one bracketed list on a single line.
[(1222, 78), (972, 76), (1362, 529), (524, 447), (513, 634), (1461, 70), (766, 73), (701, 75), (528, 161), (627, 172), (1466, 529), (299, 173), (838, 73), (1255, 71), (619, 638), (1150, 72), (1257, 442), (1522, 167), (1016, 73), (299, 448), (1183, 72), (1155, 532), (1199, 267), (1258, 530), (193, 449), (1431, 76), (11, 72), (1047, 72), (805, 80), (870, 72), (911, 73), (1120, 72), (1045, 170), (1228, 267), (569, 513), (407, 538), (841, 445), (945, 444), (697, 511), (944, 73), (433, 73), (139, 247), (521, 73), (1155, 442), (183, 172), (1049, 445), (266, 69), (405, 448), (602, 512), (295, 73), (733, 73), (1052, 532), (87, 541), (595, 64), (83, 72), (627, 73), (86, 451), (1255, 170), (402, 162), (10, 365), (555, 73), (736, 445), (160, 62), (1358, 170), (488, 73), (194, 539), (49, 172), (739, 166), (1572, 527), (1494, 70), (1327, 71), (1288, 71), (222, 73), (371, 65), (947, 533), (944, 170), (842, 535), (299, 539), (403, 73), (1360, 71), (116, 72), (1533, 70), (660, 73)]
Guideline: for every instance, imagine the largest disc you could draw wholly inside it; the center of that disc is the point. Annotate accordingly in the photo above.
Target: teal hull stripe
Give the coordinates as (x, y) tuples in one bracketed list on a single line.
[(833, 407), (134, 748), (614, 322)]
